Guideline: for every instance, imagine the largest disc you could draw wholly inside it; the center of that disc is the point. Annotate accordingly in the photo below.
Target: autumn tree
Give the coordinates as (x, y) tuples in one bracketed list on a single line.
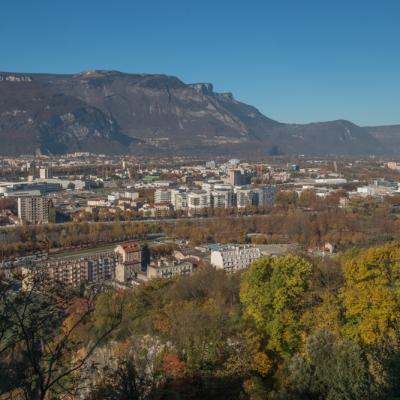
[(331, 368), (272, 292), (370, 294), (40, 351)]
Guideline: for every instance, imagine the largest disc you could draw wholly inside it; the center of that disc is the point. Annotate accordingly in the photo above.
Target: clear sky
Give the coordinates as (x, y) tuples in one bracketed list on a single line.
[(296, 60)]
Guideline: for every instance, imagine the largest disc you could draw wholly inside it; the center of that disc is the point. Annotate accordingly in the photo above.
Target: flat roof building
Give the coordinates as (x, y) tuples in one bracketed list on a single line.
[(234, 258), (33, 209), (168, 268)]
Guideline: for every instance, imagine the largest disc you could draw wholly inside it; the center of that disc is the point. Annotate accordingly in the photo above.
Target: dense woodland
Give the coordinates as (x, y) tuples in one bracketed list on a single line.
[(290, 327)]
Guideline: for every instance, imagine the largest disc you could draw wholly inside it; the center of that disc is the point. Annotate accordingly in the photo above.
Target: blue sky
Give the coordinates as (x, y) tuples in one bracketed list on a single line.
[(296, 60)]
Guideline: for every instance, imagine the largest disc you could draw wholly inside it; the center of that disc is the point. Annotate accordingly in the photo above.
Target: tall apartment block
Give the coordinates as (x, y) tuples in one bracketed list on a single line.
[(34, 209)]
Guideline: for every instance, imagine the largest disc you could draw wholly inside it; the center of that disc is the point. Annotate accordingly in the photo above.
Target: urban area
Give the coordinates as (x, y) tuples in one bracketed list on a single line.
[(163, 257)]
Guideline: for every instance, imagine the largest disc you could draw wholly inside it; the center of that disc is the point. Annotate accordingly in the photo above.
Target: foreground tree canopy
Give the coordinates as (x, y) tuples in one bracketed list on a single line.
[(291, 327), (272, 292)]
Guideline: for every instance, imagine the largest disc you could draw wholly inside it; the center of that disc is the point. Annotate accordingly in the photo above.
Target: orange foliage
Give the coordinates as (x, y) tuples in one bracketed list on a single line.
[(173, 367)]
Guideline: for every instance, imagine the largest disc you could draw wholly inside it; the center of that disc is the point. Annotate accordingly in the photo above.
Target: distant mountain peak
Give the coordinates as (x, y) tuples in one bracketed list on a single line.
[(115, 112), (207, 89)]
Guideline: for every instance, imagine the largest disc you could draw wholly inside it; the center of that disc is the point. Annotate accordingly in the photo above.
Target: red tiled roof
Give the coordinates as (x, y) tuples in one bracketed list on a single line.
[(131, 247)]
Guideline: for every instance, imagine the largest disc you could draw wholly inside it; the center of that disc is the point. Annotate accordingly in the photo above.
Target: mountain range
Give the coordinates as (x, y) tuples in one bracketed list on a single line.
[(158, 115)]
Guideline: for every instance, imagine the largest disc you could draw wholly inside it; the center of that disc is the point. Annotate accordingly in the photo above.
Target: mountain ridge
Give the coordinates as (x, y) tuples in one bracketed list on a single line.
[(149, 114)]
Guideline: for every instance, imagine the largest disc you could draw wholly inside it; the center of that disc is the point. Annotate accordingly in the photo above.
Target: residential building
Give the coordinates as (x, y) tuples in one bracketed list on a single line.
[(265, 195), (34, 209), (235, 177), (157, 210), (98, 203), (179, 199), (198, 200), (120, 265), (162, 196), (129, 195), (222, 198), (164, 268), (245, 197), (238, 177), (234, 258), (71, 271), (129, 261), (44, 173)]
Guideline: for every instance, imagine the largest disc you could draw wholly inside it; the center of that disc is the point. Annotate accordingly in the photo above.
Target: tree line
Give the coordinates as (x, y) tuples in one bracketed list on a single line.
[(309, 225)]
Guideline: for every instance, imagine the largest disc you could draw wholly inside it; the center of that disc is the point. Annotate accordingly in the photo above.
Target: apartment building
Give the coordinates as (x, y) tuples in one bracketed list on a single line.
[(259, 196), (234, 258), (98, 203), (222, 198), (129, 195), (266, 195), (156, 211), (237, 177), (245, 197), (119, 265), (162, 196), (129, 261), (33, 209), (179, 198), (198, 200), (72, 271), (164, 268), (44, 173)]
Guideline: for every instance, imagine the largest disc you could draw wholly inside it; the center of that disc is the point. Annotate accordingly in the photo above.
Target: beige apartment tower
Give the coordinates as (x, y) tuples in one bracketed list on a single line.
[(33, 209)]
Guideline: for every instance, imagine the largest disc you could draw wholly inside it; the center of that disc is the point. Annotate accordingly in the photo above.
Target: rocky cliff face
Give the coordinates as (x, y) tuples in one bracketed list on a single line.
[(112, 112), (15, 78)]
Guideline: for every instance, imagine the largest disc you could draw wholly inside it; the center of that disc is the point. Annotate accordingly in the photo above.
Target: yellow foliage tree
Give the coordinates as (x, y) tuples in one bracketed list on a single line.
[(371, 294), (272, 292)]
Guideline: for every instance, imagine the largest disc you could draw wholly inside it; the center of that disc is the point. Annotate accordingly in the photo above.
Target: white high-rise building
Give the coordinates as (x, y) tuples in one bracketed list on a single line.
[(222, 198), (162, 196), (179, 199), (245, 197), (198, 200)]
